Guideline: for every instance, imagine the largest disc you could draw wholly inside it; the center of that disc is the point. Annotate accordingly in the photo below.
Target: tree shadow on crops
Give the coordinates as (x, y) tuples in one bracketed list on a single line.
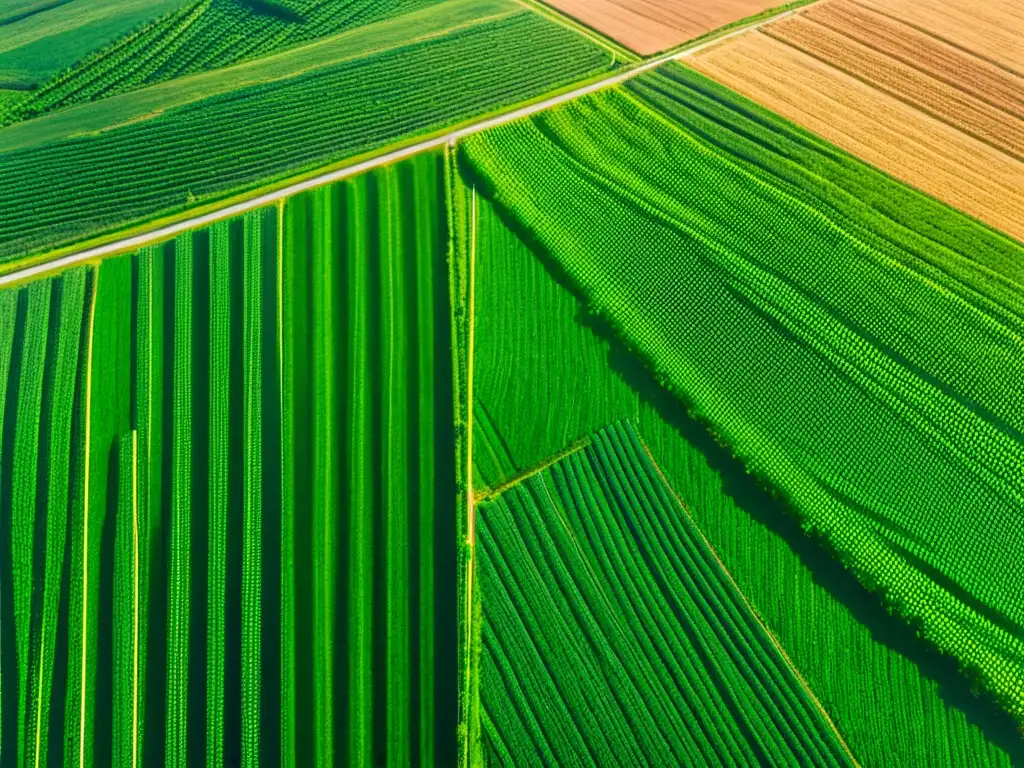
[(273, 10), (956, 689)]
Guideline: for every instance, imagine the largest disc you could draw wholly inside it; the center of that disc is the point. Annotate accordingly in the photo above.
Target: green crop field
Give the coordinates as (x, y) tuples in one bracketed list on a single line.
[(538, 349), (203, 35), (438, 383), (612, 635), (175, 159), (40, 39), (138, 105), (238, 537), (853, 399)]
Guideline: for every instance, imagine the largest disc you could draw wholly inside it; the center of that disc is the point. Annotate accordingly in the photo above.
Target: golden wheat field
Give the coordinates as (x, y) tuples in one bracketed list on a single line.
[(898, 95)]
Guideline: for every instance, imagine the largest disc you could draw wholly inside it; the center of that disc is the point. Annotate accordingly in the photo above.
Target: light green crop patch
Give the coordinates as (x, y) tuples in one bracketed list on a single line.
[(613, 635), (829, 332)]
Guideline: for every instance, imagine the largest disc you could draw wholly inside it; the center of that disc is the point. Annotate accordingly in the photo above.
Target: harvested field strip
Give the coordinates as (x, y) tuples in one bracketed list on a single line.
[(925, 53), (611, 633), (990, 30), (890, 360), (904, 82), (168, 396), (928, 154), (555, 356)]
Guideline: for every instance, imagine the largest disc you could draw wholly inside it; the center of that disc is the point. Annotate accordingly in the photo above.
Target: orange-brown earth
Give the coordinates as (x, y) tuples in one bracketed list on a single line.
[(989, 29), (890, 75), (942, 61), (650, 26), (904, 100)]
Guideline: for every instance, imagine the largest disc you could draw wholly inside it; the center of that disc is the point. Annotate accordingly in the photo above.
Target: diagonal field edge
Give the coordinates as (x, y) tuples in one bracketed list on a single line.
[(163, 233)]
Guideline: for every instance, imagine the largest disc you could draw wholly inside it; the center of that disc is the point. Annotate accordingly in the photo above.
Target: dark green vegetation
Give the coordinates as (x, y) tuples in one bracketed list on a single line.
[(612, 635), (370, 484), (235, 505), (71, 188), (538, 350), (878, 407)]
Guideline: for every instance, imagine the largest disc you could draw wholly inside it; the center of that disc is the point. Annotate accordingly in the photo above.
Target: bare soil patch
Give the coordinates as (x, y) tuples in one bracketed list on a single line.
[(650, 26)]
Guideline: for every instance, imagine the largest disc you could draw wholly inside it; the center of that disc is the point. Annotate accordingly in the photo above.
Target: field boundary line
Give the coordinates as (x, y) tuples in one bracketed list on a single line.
[(471, 537), (750, 606), (470, 499), (556, 16), (526, 474), (132, 243)]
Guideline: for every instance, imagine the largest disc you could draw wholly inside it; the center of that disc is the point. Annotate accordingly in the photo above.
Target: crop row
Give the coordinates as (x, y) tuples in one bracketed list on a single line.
[(228, 504), (539, 350), (202, 35), (72, 188), (601, 597), (877, 406)]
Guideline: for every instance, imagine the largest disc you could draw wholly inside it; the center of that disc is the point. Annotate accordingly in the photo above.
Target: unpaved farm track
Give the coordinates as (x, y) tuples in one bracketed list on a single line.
[(907, 103)]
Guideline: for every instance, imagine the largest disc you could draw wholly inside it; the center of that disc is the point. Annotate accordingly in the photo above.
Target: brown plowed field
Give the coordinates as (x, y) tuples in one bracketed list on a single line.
[(961, 110), (990, 29), (921, 109), (650, 26), (942, 61)]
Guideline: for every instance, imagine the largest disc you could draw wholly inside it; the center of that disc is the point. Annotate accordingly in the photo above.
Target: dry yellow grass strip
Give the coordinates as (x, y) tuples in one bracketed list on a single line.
[(991, 29), (906, 83), (906, 143), (928, 54), (650, 26)]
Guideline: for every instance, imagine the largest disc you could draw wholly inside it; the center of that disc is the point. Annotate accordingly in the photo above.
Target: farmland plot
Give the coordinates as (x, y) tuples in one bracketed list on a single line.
[(239, 439), (809, 377), (889, 85), (203, 150), (612, 635), (539, 351), (190, 37), (649, 26)]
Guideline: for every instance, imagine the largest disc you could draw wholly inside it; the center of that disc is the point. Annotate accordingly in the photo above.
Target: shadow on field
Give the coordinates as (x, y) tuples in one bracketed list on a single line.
[(273, 10), (955, 688)]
